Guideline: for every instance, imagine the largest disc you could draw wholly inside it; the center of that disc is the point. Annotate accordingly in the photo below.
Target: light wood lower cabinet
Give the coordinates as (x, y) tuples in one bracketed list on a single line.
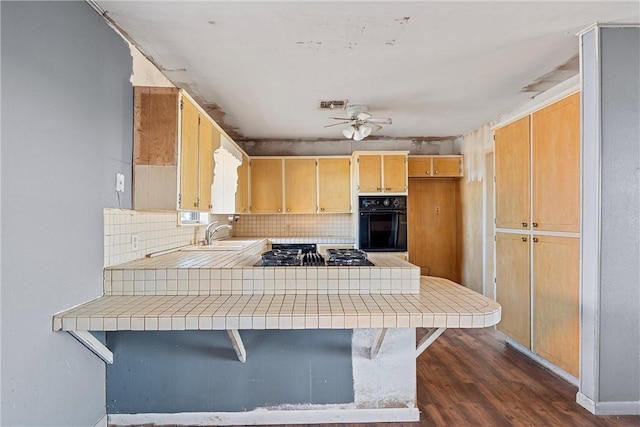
[(432, 229), (556, 300), (537, 285), (513, 287)]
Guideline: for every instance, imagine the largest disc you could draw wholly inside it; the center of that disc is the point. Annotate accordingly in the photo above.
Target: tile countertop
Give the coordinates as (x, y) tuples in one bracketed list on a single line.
[(439, 304), (235, 272)]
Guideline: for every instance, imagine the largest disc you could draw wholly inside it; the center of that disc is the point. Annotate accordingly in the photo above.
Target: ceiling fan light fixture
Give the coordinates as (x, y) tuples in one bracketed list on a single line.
[(366, 131), (348, 133), (359, 135)]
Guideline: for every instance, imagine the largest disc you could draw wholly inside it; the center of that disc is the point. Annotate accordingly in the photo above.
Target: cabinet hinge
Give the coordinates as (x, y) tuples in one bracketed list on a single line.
[(494, 136), (316, 163), (494, 178), (198, 119), (181, 104), (495, 239), (197, 203), (180, 200), (349, 162), (358, 160), (494, 221)]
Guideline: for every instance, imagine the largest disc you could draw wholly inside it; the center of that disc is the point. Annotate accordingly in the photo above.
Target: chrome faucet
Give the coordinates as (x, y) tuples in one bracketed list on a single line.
[(208, 233)]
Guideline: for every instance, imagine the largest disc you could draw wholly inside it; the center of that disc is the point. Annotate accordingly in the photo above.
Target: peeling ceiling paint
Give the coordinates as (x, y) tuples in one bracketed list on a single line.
[(436, 68)]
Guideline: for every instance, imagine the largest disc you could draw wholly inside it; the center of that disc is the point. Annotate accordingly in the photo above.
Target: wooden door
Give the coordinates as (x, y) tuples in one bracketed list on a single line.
[(446, 166), (556, 301), (242, 190), (556, 166), (419, 167), (513, 290), (266, 185), (369, 173), (431, 216), (334, 185), (395, 173), (300, 186), (189, 156), (512, 175), (209, 141)]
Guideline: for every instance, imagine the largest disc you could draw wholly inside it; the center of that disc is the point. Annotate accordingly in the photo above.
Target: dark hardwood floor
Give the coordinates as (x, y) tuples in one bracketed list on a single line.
[(469, 377)]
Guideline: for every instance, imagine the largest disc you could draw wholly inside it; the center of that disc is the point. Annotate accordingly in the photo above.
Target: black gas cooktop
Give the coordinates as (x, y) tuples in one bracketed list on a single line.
[(306, 254)]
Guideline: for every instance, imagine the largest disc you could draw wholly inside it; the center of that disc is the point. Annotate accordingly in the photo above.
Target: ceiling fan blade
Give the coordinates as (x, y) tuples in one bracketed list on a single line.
[(386, 121), (336, 124), (342, 118), (374, 126), (363, 116)]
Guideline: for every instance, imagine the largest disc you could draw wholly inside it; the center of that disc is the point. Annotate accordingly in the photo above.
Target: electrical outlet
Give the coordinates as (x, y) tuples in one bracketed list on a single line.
[(134, 242), (120, 182)]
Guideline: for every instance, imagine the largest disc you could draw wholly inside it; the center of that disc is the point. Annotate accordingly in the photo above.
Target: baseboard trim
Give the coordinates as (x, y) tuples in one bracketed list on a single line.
[(544, 362), (267, 416), (102, 422), (608, 408)]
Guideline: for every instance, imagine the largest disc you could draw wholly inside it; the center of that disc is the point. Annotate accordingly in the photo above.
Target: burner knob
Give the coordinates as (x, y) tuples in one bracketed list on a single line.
[(396, 203), (386, 202)]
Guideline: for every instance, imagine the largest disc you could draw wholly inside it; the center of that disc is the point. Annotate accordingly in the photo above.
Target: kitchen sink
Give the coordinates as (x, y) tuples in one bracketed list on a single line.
[(223, 245)]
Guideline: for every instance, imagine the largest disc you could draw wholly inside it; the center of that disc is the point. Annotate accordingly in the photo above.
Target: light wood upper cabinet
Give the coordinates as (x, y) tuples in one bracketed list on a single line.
[(199, 139), (513, 287), (512, 175), (382, 173), (334, 185), (556, 300), (242, 190), (435, 166), (266, 185), (300, 185), (556, 166), (370, 173), (395, 173), (447, 166)]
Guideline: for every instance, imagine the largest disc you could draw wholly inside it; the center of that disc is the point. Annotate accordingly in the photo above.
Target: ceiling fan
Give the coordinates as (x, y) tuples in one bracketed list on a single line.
[(361, 122)]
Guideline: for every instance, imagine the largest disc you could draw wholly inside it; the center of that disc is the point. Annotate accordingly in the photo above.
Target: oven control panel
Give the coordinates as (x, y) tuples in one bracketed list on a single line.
[(375, 203)]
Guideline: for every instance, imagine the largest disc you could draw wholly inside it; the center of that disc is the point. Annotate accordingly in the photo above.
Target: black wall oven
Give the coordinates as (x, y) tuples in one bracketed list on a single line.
[(382, 223)]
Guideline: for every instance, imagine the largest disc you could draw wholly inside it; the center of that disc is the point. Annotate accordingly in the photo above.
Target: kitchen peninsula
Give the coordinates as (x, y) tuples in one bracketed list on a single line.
[(202, 289)]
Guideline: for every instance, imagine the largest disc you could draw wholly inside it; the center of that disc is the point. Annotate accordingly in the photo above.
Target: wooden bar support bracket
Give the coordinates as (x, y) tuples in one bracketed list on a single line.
[(428, 339), (377, 343), (237, 344), (94, 345)]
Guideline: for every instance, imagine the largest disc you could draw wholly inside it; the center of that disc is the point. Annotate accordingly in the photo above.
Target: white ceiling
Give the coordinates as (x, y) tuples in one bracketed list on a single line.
[(438, 69)]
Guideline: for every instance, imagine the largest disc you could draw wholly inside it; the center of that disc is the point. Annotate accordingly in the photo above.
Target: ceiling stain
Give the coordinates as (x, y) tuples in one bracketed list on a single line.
[(217, 114), (559, 74)]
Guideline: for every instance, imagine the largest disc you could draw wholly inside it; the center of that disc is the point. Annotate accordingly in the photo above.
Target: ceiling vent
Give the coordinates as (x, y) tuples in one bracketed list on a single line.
[(333, 105)]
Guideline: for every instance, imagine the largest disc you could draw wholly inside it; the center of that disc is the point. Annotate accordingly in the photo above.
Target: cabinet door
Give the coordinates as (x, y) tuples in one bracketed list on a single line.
[(189, 156), (431, 218), (242, 190), (419, 167), (334, 185), (513, 291), (395, 173), (266, 185), (300, 186), (447, 166), (208, 142), (556, 166), (512, 175), (369, 174), (556, 301)]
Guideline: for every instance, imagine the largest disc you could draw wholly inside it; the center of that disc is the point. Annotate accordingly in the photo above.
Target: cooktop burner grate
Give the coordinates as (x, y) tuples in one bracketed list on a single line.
[(298, 255)]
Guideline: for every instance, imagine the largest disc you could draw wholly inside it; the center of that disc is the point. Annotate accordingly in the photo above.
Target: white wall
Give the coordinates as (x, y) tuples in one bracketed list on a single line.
[(66, 130)]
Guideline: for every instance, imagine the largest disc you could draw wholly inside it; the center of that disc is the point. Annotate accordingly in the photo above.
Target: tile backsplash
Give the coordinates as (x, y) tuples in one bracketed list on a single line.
[(155, 231), (159, 230), (289, 225)]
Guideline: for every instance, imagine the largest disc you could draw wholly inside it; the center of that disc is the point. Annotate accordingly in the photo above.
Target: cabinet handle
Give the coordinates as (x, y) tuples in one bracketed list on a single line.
[(428, 173), (524, 224), (279, 209), (379, 188), (436, 172), (534, 224), (523, 239), (388, 188), (535, 240), (288, 210), (322, 209)]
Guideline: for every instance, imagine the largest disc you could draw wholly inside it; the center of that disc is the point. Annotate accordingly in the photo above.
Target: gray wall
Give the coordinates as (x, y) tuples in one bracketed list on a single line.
[(198, 371), (66, 129), (610, 363)]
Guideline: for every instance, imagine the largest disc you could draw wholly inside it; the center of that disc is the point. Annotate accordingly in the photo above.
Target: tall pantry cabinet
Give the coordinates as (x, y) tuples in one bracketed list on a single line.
[(537, 172)]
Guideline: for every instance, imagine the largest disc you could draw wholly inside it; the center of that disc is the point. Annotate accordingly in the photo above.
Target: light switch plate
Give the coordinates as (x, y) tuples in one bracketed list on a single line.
[(134, 242), (120, 182)]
